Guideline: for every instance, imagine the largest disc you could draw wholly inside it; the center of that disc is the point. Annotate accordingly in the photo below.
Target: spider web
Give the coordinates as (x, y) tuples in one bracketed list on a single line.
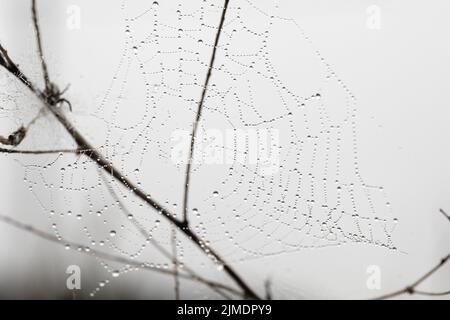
[(268, 77)]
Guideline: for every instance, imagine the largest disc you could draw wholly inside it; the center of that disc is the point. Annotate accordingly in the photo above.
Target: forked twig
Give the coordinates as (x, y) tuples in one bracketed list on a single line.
[(145, 234), (445, 214), (411, 289), (36, 152)]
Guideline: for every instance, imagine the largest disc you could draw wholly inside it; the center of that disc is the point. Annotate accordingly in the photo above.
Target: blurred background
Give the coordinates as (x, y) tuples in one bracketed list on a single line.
[(356, 90)]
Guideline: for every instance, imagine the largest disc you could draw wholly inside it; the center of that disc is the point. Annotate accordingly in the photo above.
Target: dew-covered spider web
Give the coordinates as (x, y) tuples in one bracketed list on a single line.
[(268, 80)]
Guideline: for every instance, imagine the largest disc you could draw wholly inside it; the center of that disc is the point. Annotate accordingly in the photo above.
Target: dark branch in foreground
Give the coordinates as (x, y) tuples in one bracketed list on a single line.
[(110, 169), (35, 152), (199, 114), (145, 234)]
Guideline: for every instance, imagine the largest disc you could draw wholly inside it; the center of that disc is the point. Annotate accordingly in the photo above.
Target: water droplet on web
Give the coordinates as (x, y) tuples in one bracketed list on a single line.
[(196, 212), (155, 4), (115, 273), (112, 233)]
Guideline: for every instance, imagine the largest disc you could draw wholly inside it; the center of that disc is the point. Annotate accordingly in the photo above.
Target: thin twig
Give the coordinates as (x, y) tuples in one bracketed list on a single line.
[(135, 222), (445, 214), (110, 257), (36, 117), (36, 152), (39, 44), (175, 263), (142, 230), (424, 293), (199, 114)]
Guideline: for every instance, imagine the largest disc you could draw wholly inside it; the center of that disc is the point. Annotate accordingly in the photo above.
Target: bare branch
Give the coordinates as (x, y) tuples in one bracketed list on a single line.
[(61, 241), (445, 214), (37, 152), (199, 114), (423, 293), (175, 263)]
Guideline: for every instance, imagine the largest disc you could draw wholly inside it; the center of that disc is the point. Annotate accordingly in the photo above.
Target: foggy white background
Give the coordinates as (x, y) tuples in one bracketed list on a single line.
[(398, 74)]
